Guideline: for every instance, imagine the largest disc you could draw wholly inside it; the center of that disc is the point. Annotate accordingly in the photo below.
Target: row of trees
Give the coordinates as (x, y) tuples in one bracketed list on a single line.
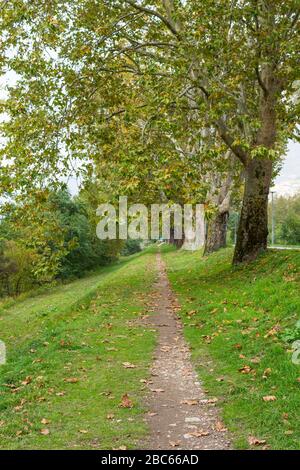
[(162, 100)]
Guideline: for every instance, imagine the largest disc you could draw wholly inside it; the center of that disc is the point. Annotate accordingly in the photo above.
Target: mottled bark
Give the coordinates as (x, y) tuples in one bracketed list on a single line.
[(253, 228), (252, 236), (216, 233)]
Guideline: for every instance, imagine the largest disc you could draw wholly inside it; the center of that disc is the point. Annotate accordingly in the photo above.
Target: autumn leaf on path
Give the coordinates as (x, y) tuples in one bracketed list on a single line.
[(189, 402), (199, 433), (126, 402), (220, 427), (174, 444), (208, 401)]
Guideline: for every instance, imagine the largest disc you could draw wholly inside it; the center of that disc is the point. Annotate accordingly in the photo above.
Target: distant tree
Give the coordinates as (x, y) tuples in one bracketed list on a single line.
[(290, 229), (286, 217)]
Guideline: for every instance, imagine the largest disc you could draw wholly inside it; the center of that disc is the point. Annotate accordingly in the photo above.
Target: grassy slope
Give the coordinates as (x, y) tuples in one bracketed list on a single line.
[(225, 308), (84, 330)]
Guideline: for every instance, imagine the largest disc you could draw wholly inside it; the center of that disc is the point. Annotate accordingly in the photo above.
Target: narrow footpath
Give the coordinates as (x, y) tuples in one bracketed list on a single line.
[(180, 415)]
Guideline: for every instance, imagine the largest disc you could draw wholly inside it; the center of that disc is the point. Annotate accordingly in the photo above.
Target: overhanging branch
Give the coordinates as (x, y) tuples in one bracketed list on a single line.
[(155, 13)]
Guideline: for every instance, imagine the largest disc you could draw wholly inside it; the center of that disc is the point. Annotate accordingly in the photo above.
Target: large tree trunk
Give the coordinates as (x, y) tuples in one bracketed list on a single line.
[(253, 228), (216, 233)]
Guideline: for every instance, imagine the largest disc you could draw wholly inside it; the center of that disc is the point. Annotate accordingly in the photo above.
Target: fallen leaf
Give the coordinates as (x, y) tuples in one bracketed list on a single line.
[(27, 381), (199, 433), (266, 373), (45, 421), (269, 398), (174, 444), (255, 360), (253, 441), (245, 370), (220, 427), (71, 380), (45, 432), (208, 401), (126, 402), (273, 331), (18, 408), (189, 402), (128, 365), (83, 431), (110, 416)]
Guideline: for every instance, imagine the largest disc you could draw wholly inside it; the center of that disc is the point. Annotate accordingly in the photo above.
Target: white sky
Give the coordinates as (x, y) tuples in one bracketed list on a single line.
[(288, 181)]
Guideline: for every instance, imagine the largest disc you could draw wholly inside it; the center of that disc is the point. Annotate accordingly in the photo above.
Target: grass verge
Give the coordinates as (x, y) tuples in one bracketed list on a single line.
[(63, 384), (240, 323)]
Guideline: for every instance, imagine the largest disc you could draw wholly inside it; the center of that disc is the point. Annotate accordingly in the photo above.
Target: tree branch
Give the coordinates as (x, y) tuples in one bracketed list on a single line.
[(260, 81), (155, 13), (229, 141)]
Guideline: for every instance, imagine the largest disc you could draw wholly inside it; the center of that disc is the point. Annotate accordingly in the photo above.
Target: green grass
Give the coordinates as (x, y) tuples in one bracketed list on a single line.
[(244, 316), (233, 317), (84, 330)]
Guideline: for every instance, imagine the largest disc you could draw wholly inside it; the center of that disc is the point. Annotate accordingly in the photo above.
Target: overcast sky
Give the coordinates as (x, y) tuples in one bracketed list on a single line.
[(288, 181)]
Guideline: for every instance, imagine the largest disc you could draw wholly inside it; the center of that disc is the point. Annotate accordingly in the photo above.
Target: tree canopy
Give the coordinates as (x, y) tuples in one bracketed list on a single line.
[(153, 94)]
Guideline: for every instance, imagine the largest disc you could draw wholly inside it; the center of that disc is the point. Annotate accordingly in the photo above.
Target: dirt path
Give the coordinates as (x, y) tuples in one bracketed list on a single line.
[(180, 415)]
